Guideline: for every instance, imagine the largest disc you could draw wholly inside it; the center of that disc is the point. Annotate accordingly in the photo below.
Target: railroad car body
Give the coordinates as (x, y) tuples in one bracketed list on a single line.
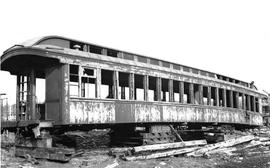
[(89, 84)]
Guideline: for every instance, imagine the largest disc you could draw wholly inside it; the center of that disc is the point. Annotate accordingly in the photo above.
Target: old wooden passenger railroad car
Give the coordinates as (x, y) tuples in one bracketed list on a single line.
[(91, 84)]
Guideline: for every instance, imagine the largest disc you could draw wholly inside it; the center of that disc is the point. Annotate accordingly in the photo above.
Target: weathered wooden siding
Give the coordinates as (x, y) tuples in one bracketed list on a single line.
[(92, 112), (102, 111)]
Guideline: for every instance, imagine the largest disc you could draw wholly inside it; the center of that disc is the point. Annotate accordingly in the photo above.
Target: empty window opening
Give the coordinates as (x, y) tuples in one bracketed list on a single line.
[(176, 91), (88, 85), (106, 84), (196, 94), (213, 96), (40, 84), (123, 90), (256, 104), (205, 95), (228, 98), (74, 70), (186, 93), (152, 92), (112, 53), (220, 99), (74, 80), (165, 90), (139, 90), (252, 103), (235, 105), (95, 49), (247, 97), (240, 101), (40, 99)]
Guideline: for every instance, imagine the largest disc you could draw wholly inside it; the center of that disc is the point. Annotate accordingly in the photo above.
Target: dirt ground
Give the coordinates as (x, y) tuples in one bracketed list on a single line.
[(96, 155), (99, 158)]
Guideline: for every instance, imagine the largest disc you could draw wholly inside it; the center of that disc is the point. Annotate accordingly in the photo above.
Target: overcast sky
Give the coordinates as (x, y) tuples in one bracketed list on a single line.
[(229, 37)]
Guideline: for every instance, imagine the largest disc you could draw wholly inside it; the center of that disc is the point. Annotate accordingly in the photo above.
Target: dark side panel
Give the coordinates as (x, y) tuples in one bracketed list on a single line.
[(52, 93)]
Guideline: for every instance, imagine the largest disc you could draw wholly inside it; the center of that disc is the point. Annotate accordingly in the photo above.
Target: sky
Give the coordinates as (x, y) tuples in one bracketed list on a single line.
[(229, 37)]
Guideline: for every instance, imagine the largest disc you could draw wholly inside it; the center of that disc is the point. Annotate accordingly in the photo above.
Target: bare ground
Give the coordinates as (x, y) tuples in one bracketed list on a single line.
[(96, 155), (99, 158)]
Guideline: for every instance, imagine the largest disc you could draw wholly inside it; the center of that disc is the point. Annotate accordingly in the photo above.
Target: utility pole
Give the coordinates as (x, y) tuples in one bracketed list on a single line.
[(2, 105)]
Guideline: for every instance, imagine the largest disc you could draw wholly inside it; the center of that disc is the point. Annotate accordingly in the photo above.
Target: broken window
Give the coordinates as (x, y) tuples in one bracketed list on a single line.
[(74, 80), (139, 90), (165, 90), (88, 85), (123, 90), (152, 91), (106, 84)]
